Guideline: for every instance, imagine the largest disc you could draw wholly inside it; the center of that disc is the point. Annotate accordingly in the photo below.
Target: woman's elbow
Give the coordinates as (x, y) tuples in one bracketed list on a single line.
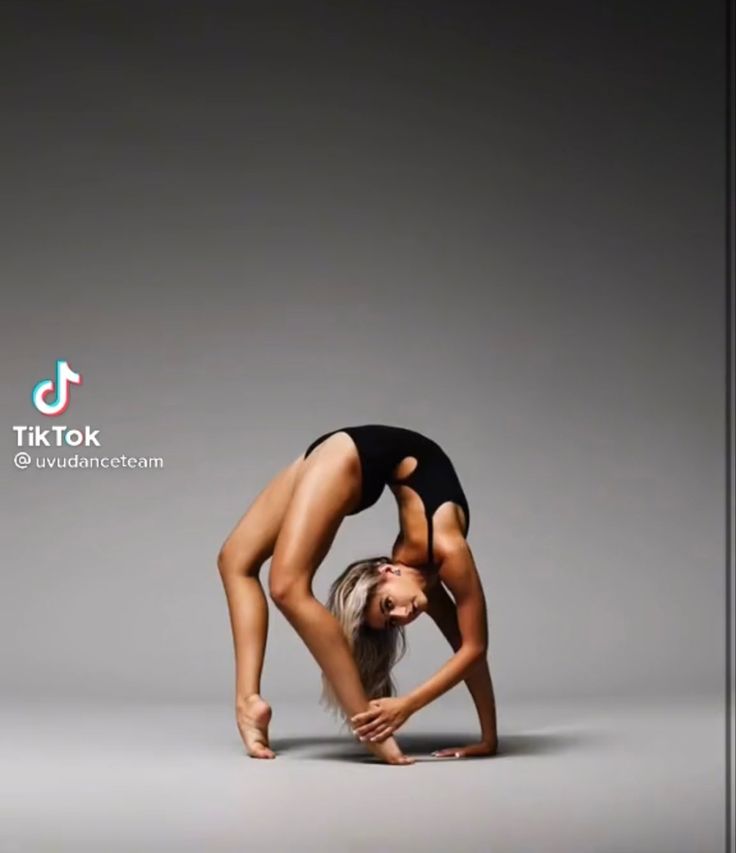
[(475, 652)]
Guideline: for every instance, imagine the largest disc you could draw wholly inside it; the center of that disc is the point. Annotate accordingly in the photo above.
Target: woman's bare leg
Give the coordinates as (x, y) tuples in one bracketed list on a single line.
[(323, 495), (240, 559)]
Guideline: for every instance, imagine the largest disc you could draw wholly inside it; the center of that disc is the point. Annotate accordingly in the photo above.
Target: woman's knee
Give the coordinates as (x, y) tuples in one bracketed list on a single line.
[(286, 591), (232, 561), (224, 562)]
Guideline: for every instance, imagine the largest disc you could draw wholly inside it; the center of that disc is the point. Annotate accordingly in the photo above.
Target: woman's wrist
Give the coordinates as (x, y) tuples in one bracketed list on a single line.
[(412, 703), (488, 728), (489, 738)]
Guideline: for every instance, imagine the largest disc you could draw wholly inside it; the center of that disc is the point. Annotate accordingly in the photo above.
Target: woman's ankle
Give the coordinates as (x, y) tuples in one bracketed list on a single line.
[(246, 699)]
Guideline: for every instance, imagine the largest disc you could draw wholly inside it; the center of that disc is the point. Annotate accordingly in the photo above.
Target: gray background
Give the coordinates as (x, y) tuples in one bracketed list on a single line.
[(497, 223)]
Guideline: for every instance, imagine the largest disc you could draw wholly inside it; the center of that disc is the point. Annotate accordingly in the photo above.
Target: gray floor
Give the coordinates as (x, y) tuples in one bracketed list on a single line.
[(610, 778)]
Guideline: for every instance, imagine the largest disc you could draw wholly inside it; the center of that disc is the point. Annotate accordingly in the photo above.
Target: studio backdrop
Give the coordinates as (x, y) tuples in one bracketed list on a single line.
[(507, 237)]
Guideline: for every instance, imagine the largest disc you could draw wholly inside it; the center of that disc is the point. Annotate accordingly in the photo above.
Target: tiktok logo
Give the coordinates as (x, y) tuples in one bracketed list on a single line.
[(59, 386)]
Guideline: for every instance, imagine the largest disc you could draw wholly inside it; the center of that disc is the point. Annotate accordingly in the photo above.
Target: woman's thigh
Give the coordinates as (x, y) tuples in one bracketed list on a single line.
[(253, 538), (327, 490)]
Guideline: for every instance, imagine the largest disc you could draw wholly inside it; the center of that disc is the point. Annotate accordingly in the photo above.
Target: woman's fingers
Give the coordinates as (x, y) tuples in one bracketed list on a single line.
[(365, 717), (382, 734), (371, 727), (451, 752), (367, 732), (364, 725), (374, 710), (470, 751)]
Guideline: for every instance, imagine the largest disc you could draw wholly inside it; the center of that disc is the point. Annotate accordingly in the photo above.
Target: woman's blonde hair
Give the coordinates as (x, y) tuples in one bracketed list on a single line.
[(376, 651)]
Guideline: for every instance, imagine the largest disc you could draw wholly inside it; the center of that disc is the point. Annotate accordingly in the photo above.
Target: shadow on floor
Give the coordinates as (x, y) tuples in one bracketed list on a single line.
[(422, 745)]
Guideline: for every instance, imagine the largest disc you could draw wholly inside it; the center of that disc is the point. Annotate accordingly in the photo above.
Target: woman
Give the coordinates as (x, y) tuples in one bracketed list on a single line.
[(356, 641)]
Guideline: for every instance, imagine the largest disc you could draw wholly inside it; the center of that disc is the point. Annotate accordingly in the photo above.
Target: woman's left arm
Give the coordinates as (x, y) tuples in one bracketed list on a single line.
[(460, 576), (478, 680)]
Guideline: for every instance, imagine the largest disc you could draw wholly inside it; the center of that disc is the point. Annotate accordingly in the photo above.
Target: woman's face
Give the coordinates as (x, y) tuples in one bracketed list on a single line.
[(399, 599)]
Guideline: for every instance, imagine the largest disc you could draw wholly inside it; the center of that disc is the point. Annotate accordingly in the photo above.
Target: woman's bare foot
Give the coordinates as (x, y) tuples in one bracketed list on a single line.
[(253, 716), (389, 752)]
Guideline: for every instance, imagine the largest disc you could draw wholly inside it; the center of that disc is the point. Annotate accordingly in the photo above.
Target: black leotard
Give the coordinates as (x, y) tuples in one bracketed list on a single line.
[(381, 448)]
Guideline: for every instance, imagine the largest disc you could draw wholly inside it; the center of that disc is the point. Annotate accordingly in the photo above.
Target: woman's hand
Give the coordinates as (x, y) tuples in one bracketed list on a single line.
[(475, 749), (383, 718)]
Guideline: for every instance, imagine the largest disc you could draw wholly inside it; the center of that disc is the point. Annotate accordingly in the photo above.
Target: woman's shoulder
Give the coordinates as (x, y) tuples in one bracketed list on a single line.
[(457, 570), (449, 543)]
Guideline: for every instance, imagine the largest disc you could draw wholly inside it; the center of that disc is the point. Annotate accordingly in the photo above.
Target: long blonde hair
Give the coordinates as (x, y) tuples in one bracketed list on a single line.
[(376, 651)]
